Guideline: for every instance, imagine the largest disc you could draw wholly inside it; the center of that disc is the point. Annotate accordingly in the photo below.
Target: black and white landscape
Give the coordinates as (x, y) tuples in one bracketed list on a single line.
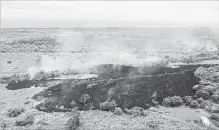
[(109, 65)]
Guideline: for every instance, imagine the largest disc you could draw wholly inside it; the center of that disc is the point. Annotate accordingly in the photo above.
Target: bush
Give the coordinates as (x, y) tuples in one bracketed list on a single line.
[(48, 105), (15, 78), (207, 75), (172, 101), (210, 89), (118, 111), (201, 93), (188, 100), (215, 98), (73, 122), (84, 99), (194, 104), (207, 105), (200, 100), (73, 104), (3, 124), (166, 102), (135, 111), (108, 106), (26, 102), (14, 112), (28, 120), (214, 116), (9, 62), (188, 59), (176, 101), (41, 76), (215, 109)]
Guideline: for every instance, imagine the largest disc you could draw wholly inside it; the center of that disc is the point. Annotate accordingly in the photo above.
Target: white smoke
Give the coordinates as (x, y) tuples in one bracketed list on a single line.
[(82, 61)]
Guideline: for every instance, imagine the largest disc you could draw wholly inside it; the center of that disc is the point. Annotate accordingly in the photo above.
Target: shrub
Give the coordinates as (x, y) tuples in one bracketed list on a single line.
[(210, 89), (15, 78), (3, 124), (118, 111), (108, 106), (194, 104), (135, 111), (48, 105), (208, 75), (153, 125), (188, 59), (176, 101), (41, 76), (215, 98), (39, 128), (215, 109), (172, 101), (200, 100), (201, 93), (84, 99), (207, 105), (28, 120), (73, 122), (9, 62), (73, 104), (166, 102), (14, 112), (214, 116), (26, 102), (188, 100), (42, 122)]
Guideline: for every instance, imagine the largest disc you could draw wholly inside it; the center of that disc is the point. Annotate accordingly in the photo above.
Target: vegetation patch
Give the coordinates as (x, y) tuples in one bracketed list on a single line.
[(84, 99), (172, 101), (73, 122), (28, 120), (13, 112), (118, 111), (187, 100), (215, 98), (194, 104), (108, 106), (202, 93), (135, 111)]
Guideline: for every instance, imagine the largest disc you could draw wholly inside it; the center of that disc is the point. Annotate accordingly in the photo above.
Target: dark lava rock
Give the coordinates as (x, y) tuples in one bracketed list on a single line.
[(20, 85), (124, 85)]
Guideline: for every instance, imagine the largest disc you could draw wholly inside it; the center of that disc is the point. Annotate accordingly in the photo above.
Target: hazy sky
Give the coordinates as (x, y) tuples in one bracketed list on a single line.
[(108, 13)]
